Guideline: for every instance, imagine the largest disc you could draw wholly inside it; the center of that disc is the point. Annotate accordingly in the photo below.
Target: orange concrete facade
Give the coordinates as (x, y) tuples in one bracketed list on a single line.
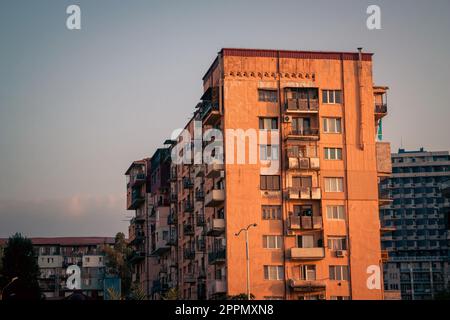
[(317, 233)]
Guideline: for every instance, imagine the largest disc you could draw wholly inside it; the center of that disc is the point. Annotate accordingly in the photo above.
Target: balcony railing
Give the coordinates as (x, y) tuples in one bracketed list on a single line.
[(199, 195), (173, 175), (214, 197), (302, 163), (136, 199), (381, 108), (137, 256), (385, 196), (200, 220), (173, 197), (302, 105), (138, 179), (307, 193), (305, 222), (384, 162), (217, 256), (216, 227), (307, 286), (308, 253), (188, 230), (214, 170), (209, 112), (188, 183), (189, 254), (310, 133), (171, 218), (188, 206)]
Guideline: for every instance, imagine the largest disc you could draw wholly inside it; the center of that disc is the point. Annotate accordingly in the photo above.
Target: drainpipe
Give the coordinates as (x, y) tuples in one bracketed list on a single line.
[(361, 101), (347, 213), (283, 175)]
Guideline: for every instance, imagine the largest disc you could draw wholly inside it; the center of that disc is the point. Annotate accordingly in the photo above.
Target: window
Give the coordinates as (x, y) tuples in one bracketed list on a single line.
[(273, 272), (307, 272), (303, 211), (271, 212), (266, 95), (332, 125), (268, 152), (338, 273), (268, 123), (339, 298), (337, 243), (270, 182), (272, 242), (305, 241), (299, 182), (333, 153), (331, 96), (334, 184), (336, 212)]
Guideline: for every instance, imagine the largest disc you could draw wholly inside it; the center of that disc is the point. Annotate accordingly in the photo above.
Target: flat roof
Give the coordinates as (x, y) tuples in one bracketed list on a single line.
[(294, 54)]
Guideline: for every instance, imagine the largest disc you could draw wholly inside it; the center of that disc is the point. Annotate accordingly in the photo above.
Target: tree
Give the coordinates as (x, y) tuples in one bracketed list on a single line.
[(20, 269), (116, 262)]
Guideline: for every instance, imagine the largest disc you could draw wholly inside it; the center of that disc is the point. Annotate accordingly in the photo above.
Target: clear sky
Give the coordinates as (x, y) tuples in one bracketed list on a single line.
[(76, 107)]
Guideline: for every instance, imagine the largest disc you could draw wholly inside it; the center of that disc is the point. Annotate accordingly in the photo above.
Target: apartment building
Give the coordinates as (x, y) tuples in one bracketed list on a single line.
[(54, 255), (138, 188), (317, 226), (313, 220), (417, 219)]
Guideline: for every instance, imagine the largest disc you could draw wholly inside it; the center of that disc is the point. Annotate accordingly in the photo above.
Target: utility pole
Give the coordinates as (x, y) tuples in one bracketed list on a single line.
[(247, 254)]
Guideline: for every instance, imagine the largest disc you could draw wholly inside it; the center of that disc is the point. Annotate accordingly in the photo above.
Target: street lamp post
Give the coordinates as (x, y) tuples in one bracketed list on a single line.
[(247, 254)]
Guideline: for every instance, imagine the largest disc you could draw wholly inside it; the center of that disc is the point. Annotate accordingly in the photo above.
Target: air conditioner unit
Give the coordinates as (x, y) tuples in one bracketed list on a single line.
[(340, 253), (287, 119)]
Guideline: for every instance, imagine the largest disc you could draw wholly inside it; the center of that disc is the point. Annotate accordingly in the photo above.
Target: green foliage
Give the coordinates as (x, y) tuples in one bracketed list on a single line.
[(241, 296), (116, 262), (137, 293), (171, 294), (19, 262)]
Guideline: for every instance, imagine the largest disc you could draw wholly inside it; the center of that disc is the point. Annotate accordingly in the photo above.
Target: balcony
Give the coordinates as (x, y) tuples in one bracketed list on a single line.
[(302, 134), (209, 112), (190, 277), (445, 188), (304, 193), (199, 170), (302, 106), (189, 254), (138, 238), (137, 256), (188, 183), (307, 286), (218, 287), (172, 219), (200, 220), (199, 195), (173, 175), (173, 198), (217, 256), (380, 110), (201, 245), (188, 230), (305, 223), (160, 247), (308, 253), (188, 206), (216, 227), (172, 239), (214, 197), (136, 199), (384, 197), (159, 287), (301, 163), (384, 162), (138, 180), (214, 170)]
